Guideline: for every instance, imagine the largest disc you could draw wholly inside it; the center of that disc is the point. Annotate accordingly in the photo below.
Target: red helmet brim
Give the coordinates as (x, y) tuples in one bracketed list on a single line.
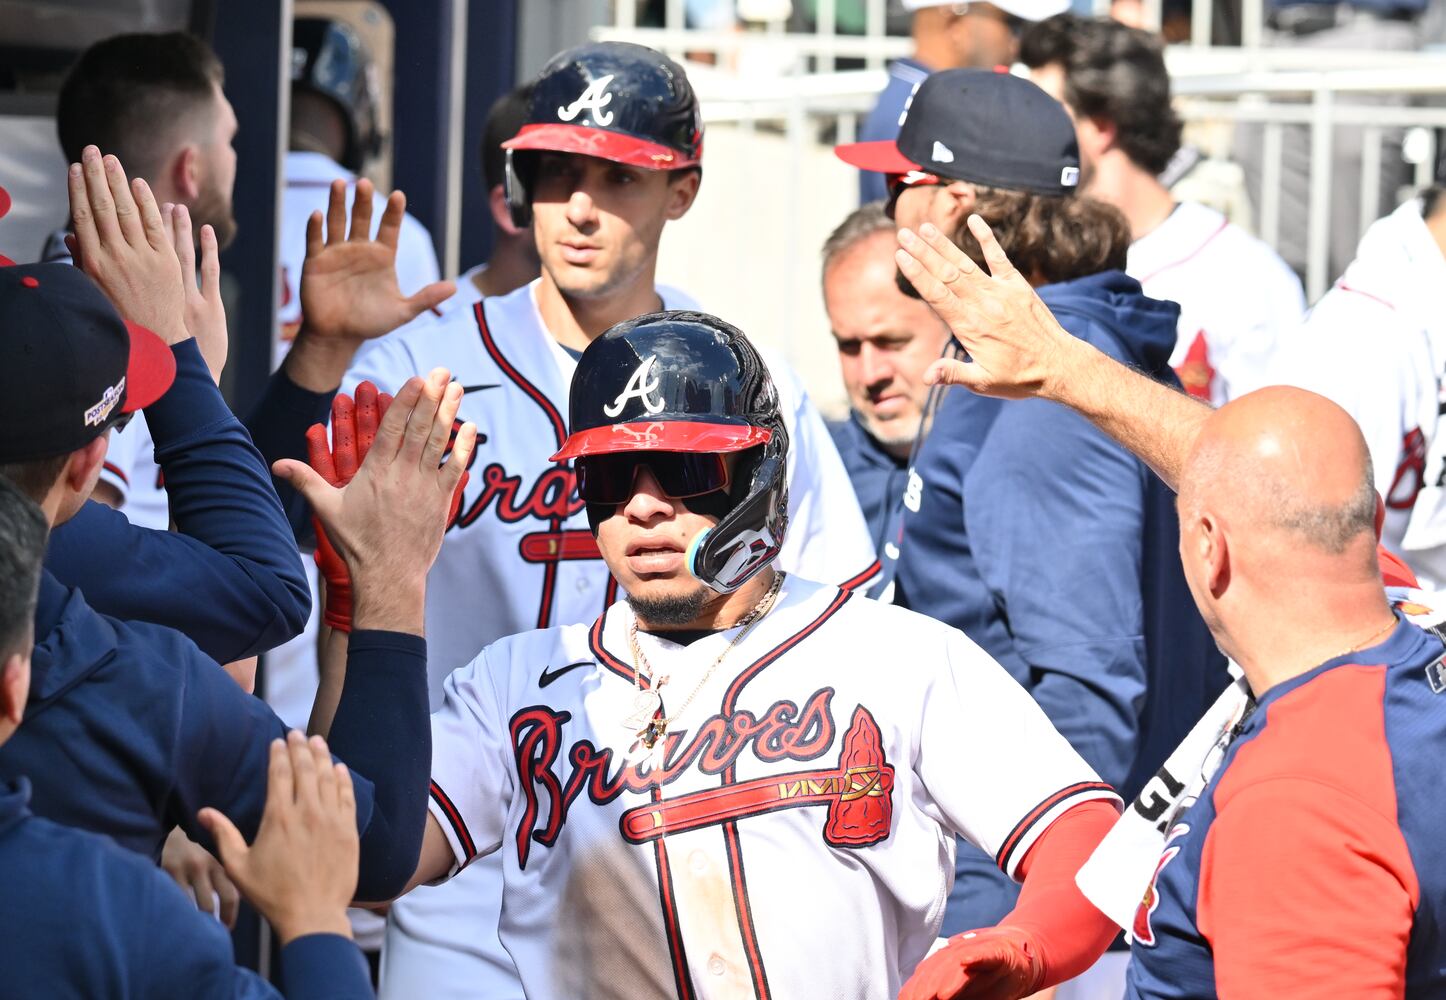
[(584, 140), (662, 435)]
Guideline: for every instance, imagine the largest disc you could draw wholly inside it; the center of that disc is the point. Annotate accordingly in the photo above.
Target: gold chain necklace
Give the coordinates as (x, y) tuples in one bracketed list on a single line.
[(1363, 644), (646, 719)]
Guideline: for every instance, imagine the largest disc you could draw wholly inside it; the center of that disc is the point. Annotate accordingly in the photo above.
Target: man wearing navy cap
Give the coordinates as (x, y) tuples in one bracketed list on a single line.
[(947, 36), (130, 728), (1049, 544), (97, 920)]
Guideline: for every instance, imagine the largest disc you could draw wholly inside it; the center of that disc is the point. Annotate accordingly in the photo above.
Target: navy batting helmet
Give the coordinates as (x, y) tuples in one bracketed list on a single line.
[(328, 57), (687, 382), (613, 100)]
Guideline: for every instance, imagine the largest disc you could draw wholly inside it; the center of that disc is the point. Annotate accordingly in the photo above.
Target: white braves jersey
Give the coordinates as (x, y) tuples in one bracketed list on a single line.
[(1236, 296), (797, 839), (308, 184), (1376, 344), (521, 555)]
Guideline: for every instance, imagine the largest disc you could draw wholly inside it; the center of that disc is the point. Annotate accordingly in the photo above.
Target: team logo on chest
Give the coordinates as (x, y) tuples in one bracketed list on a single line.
[(857, 792), (594, 99), (1142, 932), (642, 386)]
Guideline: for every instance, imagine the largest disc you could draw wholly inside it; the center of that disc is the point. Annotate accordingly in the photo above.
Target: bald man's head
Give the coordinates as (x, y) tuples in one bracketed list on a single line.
[(1285, 461)]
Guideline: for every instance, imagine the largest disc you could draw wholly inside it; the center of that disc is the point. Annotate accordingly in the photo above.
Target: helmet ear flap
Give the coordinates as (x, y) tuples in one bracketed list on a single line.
[(750, 535), (514, 190)]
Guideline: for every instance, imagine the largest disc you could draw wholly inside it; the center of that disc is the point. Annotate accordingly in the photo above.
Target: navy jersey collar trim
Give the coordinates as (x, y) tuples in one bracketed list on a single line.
[(1405, 642)]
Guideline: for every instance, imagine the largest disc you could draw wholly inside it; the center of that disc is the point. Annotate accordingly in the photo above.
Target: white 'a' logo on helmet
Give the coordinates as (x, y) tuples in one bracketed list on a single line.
[(640, 386), (594, 99)]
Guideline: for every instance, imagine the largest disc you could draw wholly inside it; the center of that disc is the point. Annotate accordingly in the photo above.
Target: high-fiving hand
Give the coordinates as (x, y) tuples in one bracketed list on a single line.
[(121, 241), (301, 870), (386, 522), (1016, 346), (205, 315), (349, 280)]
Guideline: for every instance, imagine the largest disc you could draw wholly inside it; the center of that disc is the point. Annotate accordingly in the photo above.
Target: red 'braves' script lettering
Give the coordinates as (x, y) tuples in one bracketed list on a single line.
[(552, 497), (784, 732)]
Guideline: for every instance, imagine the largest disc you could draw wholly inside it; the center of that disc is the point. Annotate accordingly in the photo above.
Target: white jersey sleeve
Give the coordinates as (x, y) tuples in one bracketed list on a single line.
[(472, 764), (828, 539), (971, 709)]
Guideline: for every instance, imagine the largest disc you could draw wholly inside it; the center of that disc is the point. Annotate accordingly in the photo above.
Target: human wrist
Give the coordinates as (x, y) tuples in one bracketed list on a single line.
[(317, 362), (385, 601), (316, 920)]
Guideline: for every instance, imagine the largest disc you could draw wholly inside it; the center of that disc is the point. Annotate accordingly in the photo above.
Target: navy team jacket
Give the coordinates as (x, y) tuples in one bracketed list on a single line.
[(87, 919), (1056, 550), (231, 578), (878, 477)]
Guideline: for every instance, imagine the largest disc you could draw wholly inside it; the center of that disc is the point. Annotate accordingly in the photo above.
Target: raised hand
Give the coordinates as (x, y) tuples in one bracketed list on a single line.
[(353, 429), (201, 875), (993, 964), (205, 315), (349, 280), (386, 521), (124, 246), (301, 870), (1016, 346)]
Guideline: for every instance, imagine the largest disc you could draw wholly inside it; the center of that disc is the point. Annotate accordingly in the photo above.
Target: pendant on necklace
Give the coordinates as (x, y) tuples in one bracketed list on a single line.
[(645, 708)]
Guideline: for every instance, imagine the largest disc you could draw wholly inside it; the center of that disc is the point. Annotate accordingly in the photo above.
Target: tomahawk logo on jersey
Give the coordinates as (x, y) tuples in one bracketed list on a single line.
[(521, 554), (804, 781)]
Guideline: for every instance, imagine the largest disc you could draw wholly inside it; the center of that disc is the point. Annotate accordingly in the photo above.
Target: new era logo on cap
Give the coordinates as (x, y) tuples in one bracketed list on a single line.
[(942, 153), (1069, 177)]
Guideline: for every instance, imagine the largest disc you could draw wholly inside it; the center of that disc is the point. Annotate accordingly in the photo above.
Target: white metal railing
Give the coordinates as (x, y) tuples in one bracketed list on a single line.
[(1273, 87)]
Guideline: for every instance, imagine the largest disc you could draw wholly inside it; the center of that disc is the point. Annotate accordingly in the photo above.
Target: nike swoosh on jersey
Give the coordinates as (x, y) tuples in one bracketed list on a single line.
[(549, 675), (478, 388)]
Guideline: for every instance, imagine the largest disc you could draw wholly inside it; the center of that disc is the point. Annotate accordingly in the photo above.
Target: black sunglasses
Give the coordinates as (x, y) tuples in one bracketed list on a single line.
[(608, 479)]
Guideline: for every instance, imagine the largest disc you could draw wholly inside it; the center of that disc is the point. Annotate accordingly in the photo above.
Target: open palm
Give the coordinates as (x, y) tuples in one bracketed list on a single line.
[(349, 280)]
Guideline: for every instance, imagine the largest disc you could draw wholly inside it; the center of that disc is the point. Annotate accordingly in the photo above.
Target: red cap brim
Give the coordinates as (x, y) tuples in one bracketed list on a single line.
[(662, 435), (151, 371), (587, 141), (882, 157), (4, 202)]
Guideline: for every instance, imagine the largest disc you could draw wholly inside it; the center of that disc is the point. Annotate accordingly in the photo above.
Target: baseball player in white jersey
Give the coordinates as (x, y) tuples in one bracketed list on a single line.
[(1376, 345), (738, 782), (520, 555), (1237, 298)]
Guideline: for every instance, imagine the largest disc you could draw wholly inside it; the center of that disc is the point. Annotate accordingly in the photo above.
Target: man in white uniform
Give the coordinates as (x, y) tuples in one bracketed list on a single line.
[(609, 154), (738, 782), (1237, 297), (1376, 345)]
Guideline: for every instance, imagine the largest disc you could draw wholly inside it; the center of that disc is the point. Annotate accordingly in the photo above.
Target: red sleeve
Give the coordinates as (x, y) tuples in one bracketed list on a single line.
[(1306, 892), (1068, 933)]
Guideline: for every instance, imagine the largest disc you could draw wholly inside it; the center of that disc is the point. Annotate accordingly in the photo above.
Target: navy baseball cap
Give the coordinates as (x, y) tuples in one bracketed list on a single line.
[(989, 128), (71, 367), (616, 101)]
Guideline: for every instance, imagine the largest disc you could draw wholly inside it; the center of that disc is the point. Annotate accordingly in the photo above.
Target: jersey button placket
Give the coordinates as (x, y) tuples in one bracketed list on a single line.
[(716, 965)]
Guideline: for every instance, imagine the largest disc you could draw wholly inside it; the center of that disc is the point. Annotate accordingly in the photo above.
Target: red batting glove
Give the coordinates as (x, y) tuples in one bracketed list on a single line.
[(353, 429), (997, 963), (354, 426)]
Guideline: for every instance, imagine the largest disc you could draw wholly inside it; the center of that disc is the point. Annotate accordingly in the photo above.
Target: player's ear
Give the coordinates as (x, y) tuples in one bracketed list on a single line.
[(185, 172), (1214, 554), (1380, 515), (14, 690), (84, 465), (501, 215), (682, 191), (954, 202)]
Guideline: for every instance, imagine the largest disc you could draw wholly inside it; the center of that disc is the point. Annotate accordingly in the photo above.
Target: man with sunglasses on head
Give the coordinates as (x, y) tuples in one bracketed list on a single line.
[(724, 784), (609, 153)]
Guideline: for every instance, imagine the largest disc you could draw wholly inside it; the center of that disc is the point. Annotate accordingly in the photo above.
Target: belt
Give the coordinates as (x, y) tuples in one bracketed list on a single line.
[(1309, 18)]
